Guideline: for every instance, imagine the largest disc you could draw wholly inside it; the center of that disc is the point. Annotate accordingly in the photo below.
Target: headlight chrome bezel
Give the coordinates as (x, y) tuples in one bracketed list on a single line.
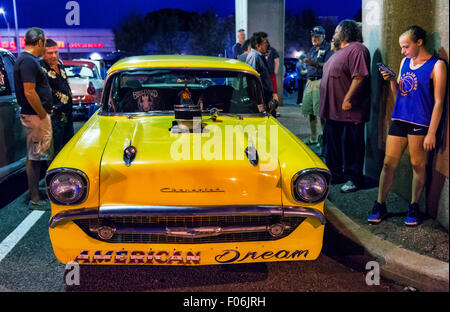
[(54, 173), (322, 173)]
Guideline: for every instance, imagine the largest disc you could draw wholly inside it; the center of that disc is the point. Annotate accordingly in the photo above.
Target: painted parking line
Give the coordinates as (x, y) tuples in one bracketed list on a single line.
[(12, 239)]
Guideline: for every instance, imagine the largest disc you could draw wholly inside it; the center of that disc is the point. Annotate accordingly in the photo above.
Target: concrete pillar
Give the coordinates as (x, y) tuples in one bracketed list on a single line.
[(267, 16), (372, 18), (383, 22), (241, 16)]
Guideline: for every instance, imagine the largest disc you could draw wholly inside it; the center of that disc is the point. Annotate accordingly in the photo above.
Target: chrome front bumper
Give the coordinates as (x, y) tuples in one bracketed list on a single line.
[(111, 211)]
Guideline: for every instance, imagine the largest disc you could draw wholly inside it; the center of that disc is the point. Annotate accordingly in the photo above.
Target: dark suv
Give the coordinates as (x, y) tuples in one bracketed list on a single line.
[(12, 133)]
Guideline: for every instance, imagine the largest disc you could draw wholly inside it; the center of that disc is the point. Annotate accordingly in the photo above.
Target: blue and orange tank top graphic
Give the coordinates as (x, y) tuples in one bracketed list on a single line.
[(415, 97)]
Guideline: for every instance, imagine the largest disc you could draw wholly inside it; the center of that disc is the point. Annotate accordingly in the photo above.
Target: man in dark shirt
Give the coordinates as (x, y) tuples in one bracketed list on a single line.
[(344, 103), (319, 53), (246, 47), (62, 122), (35, 99), (237, 47), (256, 59)]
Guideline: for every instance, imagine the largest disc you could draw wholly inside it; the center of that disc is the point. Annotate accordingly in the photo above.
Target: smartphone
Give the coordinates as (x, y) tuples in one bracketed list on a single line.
[(385, 68)]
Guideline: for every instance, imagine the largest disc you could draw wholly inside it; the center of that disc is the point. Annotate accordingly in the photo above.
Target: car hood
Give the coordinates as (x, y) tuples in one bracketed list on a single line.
[(200, 169)]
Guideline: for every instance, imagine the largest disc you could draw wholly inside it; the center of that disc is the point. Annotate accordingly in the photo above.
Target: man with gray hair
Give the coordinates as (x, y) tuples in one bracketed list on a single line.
[(35, 99), (344, 104)]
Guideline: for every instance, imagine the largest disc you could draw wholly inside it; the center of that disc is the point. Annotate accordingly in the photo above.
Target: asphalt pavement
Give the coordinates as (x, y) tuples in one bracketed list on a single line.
[(415, 256)]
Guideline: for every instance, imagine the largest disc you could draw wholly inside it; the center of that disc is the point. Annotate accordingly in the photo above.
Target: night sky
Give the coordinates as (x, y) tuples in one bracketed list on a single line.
[(107, 13)]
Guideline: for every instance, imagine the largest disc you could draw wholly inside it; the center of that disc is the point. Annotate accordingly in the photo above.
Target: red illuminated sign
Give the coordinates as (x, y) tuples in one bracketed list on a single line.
[(86, 45), (11, 45)]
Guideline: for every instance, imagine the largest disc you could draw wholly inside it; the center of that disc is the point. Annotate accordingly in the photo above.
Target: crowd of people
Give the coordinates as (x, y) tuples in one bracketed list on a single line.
[(334, 88)]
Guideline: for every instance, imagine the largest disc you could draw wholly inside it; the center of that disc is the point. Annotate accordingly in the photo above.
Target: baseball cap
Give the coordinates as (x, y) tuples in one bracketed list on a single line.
[(318, 31)]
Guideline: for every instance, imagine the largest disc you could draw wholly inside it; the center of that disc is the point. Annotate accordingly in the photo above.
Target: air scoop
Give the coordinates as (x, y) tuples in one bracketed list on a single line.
[(186, 113)]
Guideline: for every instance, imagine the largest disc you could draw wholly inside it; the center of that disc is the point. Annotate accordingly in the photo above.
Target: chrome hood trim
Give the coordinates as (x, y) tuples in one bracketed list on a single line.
[(110, 211)]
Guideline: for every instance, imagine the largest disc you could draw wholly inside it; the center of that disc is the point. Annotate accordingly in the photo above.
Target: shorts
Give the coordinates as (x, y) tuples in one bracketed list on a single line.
[(403, 129), (311, 98), (39, 136)]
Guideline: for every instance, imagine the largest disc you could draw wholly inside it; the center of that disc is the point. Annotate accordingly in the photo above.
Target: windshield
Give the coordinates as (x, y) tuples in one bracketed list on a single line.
[(160, 89), (79, 71)]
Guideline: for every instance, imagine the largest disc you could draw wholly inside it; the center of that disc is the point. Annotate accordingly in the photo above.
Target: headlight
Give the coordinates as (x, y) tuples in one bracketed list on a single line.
[(66, 186), (311, 186)]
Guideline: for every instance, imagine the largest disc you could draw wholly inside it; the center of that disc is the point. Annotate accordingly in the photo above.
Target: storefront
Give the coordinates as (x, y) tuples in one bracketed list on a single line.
[(78, 43)]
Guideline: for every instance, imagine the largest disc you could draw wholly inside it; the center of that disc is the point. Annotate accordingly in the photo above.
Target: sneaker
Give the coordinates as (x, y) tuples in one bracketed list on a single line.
[(378, 213), (320, 140), (348, 187), (413, 216), (43, 205), (311, 142)]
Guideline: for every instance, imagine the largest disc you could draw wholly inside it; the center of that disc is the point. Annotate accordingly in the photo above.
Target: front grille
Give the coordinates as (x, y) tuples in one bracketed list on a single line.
[(188, 222)]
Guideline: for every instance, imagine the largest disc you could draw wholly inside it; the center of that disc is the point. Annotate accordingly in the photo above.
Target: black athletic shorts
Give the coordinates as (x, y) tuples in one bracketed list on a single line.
[(402, 129)]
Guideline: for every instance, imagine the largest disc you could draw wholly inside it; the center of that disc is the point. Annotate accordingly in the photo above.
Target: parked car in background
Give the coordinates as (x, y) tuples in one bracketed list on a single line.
[(114, 56), (183, 164), (99, 64), (12, 133), (290, 83), (86, 85)]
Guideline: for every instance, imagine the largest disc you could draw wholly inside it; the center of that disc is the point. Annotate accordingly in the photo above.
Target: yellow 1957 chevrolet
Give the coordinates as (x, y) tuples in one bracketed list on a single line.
[(184, 165)]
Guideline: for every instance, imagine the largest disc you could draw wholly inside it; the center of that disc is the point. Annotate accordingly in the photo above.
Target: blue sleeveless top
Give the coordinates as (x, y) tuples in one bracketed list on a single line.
[(415, 96)]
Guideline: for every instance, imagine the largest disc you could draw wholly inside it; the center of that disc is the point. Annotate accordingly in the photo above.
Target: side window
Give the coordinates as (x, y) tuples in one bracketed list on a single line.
[(110, 95), (9, 67)]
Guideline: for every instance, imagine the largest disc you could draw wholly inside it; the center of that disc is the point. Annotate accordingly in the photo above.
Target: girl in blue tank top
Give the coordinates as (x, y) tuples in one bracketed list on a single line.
[(420, 91), (415, 96)]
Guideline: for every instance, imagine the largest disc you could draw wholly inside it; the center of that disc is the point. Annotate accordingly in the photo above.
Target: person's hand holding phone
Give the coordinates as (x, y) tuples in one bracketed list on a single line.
[(386, 72)]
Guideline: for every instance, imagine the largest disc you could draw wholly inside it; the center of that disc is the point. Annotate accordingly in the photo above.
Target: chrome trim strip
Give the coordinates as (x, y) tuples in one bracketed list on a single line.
[(111, 211), (304, 212), (194, 232)]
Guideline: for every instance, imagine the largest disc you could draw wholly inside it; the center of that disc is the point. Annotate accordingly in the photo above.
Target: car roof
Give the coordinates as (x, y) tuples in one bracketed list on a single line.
[(70, 62), (180, 61)]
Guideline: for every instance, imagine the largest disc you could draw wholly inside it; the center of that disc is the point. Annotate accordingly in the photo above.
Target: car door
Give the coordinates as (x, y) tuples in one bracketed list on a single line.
[(12, 133)]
